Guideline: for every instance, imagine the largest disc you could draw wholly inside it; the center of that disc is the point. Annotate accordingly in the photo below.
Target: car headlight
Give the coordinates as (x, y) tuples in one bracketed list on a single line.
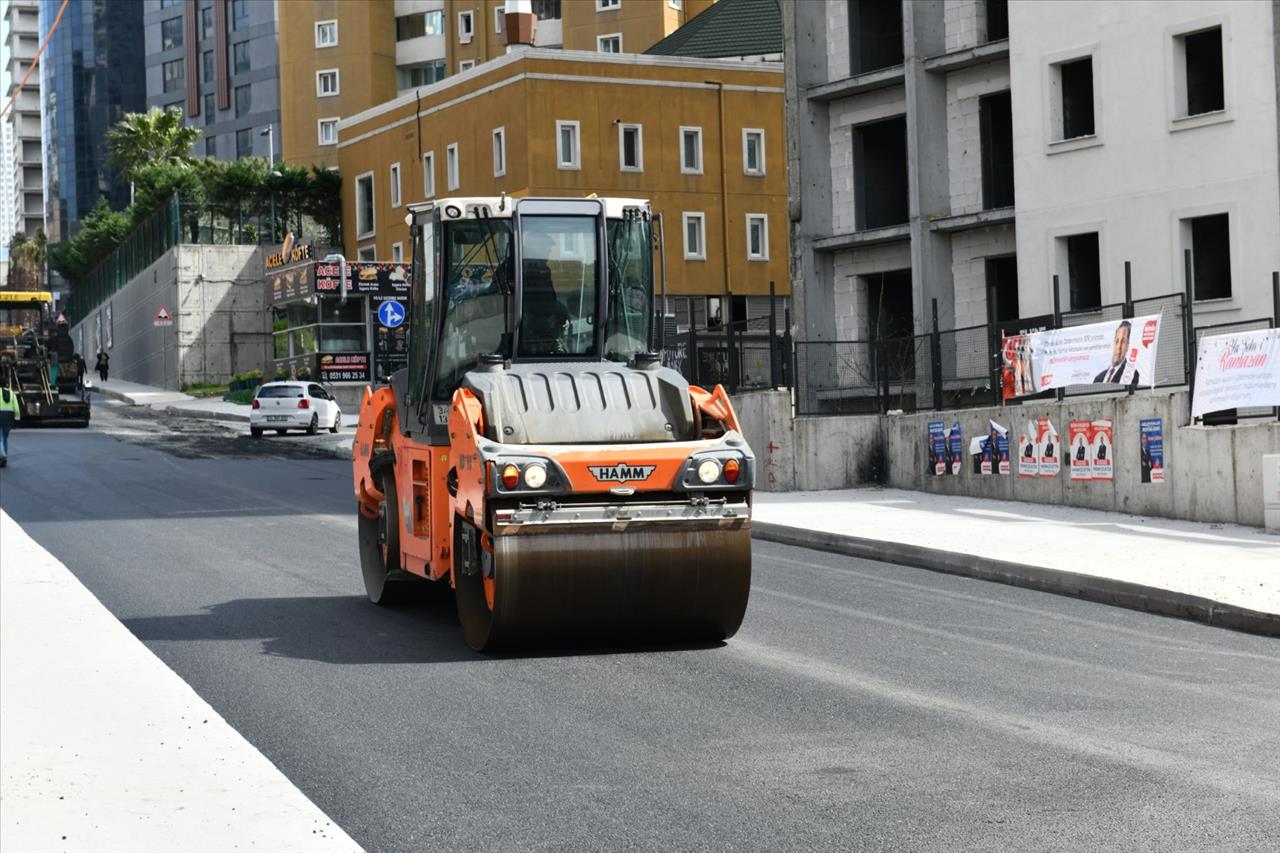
[(535, 476), (708, 471)]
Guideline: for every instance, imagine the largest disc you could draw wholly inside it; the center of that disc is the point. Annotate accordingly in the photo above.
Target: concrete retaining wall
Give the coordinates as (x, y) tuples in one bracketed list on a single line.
[(1211, 473), (215, 295)]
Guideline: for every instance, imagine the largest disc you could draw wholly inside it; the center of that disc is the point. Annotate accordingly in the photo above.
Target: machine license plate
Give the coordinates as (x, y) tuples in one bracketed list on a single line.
[(277, 418)]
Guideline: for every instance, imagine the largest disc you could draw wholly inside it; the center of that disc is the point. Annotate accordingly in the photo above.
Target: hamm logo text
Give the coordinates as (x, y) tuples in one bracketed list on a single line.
[(621, 473)]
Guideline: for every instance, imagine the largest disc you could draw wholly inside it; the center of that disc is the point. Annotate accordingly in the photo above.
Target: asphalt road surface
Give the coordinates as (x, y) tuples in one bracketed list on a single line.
[(862, 706)]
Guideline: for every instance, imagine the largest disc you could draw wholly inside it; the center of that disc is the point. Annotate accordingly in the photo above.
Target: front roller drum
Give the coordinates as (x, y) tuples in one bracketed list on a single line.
[(646, 585)]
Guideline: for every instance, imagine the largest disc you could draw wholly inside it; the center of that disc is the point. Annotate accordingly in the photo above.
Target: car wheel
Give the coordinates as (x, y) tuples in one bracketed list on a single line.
[(256, 432), (314, 426), (337, 422)]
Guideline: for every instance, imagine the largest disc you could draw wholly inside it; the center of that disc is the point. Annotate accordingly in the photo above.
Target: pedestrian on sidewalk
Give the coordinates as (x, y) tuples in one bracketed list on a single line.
[(103, 365), (10, 413)]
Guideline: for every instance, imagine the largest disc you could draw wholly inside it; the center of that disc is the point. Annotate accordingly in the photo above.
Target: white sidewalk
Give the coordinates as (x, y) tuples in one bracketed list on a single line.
[(104, 748), (1226, 563)]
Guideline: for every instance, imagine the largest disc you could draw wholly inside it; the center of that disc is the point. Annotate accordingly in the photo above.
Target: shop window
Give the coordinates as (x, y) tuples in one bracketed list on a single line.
[(880, 169), (875, 35)]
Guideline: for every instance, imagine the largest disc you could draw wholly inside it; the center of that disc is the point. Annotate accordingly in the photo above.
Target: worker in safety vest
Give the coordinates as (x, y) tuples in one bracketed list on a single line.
[(10, 413)]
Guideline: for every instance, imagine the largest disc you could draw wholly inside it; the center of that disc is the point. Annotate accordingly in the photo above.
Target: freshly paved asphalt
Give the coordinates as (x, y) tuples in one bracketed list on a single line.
[(862, 706)]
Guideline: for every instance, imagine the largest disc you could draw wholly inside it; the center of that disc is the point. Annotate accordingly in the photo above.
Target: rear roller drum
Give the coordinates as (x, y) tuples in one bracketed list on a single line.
[(384, 580)]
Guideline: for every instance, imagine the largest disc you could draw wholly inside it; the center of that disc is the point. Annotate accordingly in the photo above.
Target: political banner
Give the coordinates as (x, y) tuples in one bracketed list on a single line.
[(1028, 464), (1101, 450), (1236, 371), (1081, 458), (937, 448), (1048, 450), (1119, 352), (954, 448), (1151, 439), (995, 450), (1016, 378)]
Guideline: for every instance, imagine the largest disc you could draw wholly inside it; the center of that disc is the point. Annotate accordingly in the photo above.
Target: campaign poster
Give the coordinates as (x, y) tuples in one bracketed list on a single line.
[(1101, 450), (1236, 371), (1118, 352), (1081, 456), (1028, 463), (937, 448), (954, 447), (1048, 449), (1015, 367), (1151, 439)]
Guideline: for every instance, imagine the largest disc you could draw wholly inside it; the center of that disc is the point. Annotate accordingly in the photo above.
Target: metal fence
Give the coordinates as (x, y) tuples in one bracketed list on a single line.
[(959, 368)]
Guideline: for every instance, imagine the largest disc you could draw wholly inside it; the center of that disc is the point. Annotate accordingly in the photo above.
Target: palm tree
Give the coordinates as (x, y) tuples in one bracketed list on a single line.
[(28, 255), (150, 137)]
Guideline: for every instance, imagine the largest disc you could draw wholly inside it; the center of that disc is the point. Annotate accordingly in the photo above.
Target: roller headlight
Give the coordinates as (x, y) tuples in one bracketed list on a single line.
[(535, 476), (708, 471)]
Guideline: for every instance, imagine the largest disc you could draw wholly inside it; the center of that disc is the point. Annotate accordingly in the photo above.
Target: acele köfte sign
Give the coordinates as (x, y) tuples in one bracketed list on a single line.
[(384, 279), (345, 367), (291, 255)]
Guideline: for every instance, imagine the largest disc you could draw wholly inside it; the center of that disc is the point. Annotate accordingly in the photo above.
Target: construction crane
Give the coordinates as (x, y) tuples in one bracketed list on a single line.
[(535, 454)]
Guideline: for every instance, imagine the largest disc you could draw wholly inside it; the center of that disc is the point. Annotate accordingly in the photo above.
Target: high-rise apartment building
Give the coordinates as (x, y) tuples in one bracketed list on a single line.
[(24, 185), (6, 188), (969, 151), (91, 74)]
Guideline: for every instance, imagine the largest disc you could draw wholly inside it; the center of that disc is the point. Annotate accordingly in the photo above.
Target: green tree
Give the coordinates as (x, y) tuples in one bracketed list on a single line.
[(100, 233), (27, 256), (155, 136)]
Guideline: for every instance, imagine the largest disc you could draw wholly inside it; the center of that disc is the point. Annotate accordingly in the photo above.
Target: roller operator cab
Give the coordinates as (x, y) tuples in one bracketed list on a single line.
[(535, 454)]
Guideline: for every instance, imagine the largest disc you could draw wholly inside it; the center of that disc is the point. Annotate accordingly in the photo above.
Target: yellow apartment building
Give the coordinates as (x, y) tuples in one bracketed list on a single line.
[(702, 139), (474, 28), (337, 57)]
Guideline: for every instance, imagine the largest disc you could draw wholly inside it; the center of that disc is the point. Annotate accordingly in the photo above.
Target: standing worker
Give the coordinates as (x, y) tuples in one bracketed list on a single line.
[(103, 365), (10, 413)]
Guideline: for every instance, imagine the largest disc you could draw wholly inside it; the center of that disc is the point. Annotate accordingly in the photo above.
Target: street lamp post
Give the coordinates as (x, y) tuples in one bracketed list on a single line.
[(270, 133)]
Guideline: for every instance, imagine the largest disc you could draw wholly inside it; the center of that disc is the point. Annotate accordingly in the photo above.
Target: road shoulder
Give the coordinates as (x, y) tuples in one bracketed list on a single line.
[(106, 748)]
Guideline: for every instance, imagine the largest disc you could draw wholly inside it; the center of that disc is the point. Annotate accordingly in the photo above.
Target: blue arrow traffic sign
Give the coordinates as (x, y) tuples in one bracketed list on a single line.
[(391, 313)]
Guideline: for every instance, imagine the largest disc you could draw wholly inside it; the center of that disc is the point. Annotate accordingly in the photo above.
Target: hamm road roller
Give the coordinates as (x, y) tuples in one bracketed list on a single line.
[(535, 454)]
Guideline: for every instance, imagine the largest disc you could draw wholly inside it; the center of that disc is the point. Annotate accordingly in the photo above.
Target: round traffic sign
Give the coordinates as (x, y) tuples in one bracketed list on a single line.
[(391, 314)]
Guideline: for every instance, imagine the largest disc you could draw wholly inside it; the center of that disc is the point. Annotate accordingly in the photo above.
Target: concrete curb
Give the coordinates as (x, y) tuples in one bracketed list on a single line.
[(207, 414), (114, 395), (1103, 590)]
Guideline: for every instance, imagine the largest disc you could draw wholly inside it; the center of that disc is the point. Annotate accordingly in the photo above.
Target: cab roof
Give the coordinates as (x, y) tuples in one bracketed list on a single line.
[(500, 207), (25, 296)]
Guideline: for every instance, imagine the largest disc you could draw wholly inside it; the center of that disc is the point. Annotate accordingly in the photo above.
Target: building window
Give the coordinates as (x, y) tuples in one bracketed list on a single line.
[(691, 150), (211, 146), (207, 59), (1073, 91), (1210, 243), (1084, 272), (1198, 72), (327, 83), (411, 26), (995, 127), (433, 23), (608, 5), (466, 26), (395, 184), (429, 174), (466, 65), (326, 33), (568, 155), (880, 195), (208, 109), (499, 152), (328, 131), (546, 10), (890, 315), (695, 237), (997, 20), (631, 148), (875, 35), (367, 253), (239, 14), (1002, 277), (244, 100), (365, 219), (244, 143), (451, 167), (499, 20), (206, 22), (757, 237), (422, 74), (174, 76), (171, 33), (752, 151), (609, 44), (676, 4), (240, 57), (397, 252)]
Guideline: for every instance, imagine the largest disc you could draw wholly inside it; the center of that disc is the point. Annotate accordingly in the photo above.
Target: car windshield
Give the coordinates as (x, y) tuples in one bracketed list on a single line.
[(280, 391)]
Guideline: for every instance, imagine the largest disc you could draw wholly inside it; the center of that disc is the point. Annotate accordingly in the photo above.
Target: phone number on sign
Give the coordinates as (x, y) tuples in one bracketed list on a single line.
[(345, 375)]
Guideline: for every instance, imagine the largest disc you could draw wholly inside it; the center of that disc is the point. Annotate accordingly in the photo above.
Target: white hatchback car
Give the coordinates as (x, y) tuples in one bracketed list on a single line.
[(283, 406)]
